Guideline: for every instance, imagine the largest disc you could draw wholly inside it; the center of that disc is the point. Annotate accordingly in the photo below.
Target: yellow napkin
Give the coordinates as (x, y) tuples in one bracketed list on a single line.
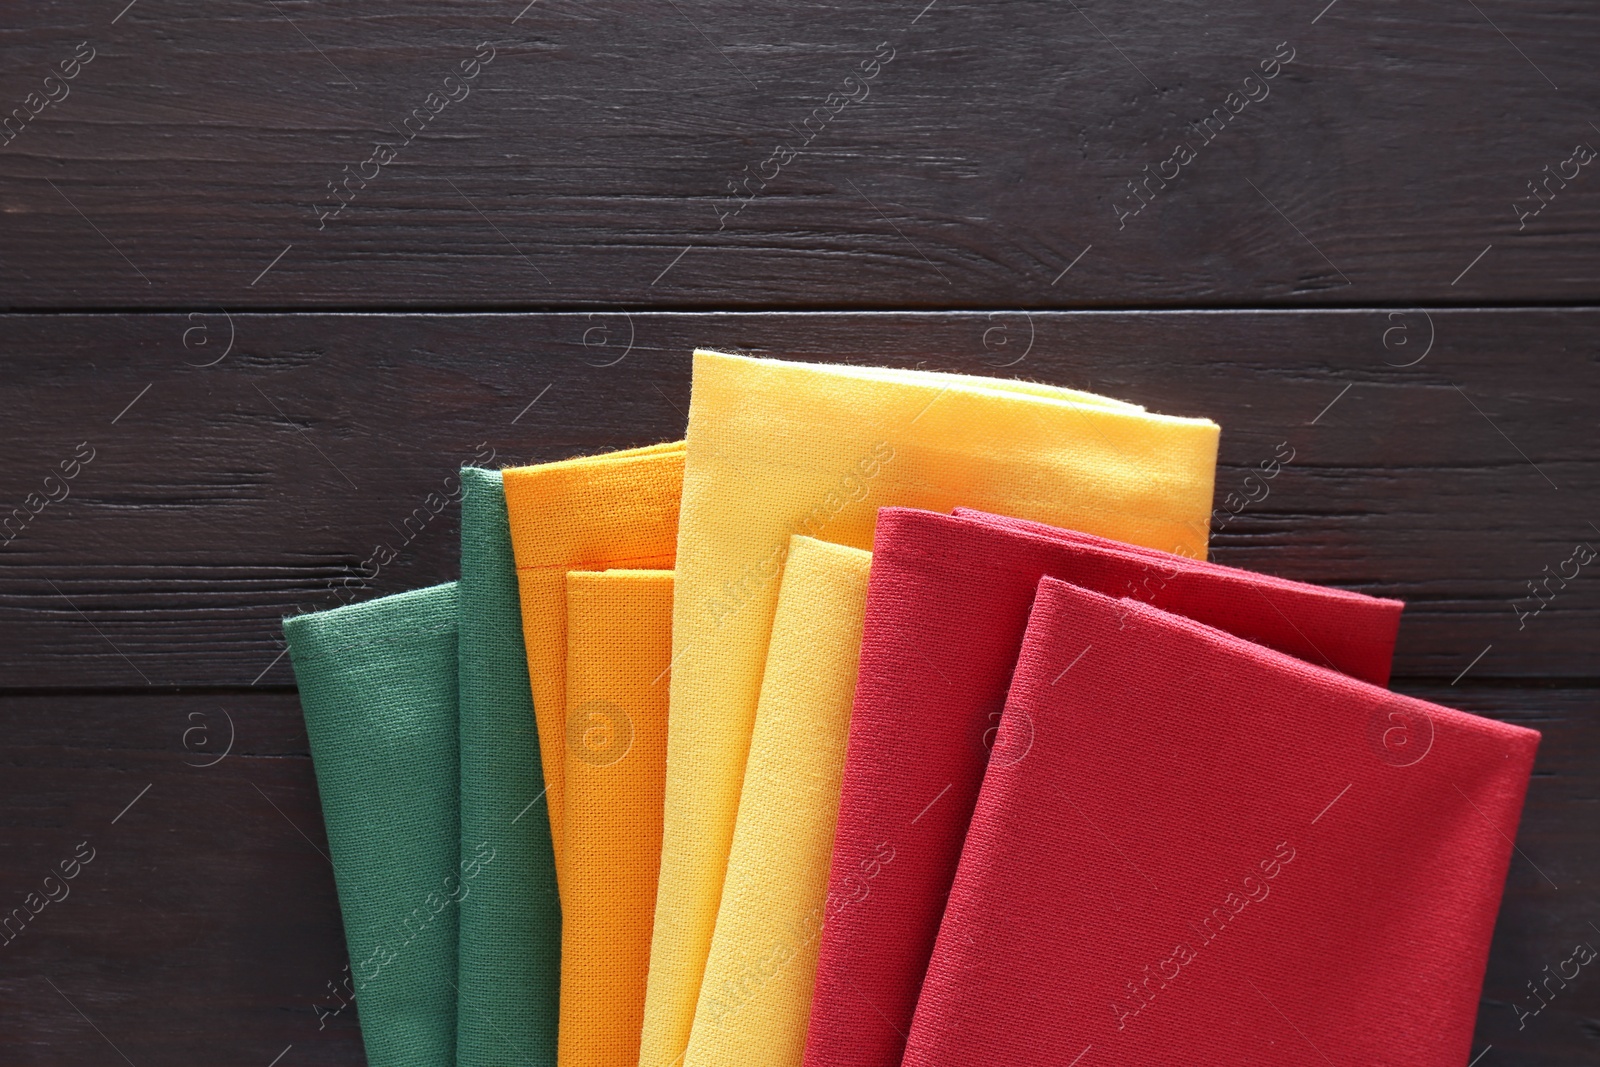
[(755, 1001), (591, 513), (619, 648), (777, 448)]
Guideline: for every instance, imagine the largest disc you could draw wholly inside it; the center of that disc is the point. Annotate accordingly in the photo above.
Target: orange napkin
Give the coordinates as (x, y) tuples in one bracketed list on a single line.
[(591, 513)]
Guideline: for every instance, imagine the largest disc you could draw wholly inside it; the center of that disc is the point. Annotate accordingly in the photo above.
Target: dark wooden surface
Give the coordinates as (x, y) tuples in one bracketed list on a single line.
[(528, 277), (206, 931), (139, 616), (228, 496), (600, 141)]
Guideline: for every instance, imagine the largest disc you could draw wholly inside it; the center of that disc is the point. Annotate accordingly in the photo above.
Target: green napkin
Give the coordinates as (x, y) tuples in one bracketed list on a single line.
[(511, 922), (378, 688)]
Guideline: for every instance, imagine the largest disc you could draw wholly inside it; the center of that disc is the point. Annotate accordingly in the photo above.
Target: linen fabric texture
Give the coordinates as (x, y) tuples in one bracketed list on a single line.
[(619, 509), (619, 651), (510, 933), (777, 448), (378, 688), (756, 996), (946, 611), (1198, 850)]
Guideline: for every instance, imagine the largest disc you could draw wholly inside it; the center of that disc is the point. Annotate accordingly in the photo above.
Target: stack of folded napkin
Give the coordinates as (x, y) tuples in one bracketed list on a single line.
[(893, 717)]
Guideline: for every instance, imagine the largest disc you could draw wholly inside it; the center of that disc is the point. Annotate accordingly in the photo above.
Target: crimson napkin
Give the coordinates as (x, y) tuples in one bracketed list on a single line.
[(947, 605), (1194, 850)]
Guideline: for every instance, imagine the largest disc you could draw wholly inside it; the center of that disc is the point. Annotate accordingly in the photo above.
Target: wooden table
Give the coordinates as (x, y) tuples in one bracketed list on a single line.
[(272, 271)]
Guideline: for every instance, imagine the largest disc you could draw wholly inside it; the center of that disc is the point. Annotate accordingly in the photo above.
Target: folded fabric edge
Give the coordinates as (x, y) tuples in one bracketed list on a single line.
[(650, 574), (597, 460), (483, 475), (899, 374), (1233, 645), (993, 387), (561, 492), (386, 621), (661, 562), (1054, 534), (816, 563), (820, 547)]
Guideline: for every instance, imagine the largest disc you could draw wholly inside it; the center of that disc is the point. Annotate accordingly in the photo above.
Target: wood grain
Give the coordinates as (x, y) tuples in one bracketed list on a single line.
[(1354, 267), (589, 163), (206, 928), (229, 496)]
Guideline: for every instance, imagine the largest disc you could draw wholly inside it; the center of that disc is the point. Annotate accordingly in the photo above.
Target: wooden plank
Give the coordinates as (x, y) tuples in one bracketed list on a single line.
[(205, 929), (632, 154), (221, 498)]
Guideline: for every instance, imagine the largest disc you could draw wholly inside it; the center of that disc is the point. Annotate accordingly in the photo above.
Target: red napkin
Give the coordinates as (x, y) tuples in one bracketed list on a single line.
[(947, 604), (1193, 850)]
